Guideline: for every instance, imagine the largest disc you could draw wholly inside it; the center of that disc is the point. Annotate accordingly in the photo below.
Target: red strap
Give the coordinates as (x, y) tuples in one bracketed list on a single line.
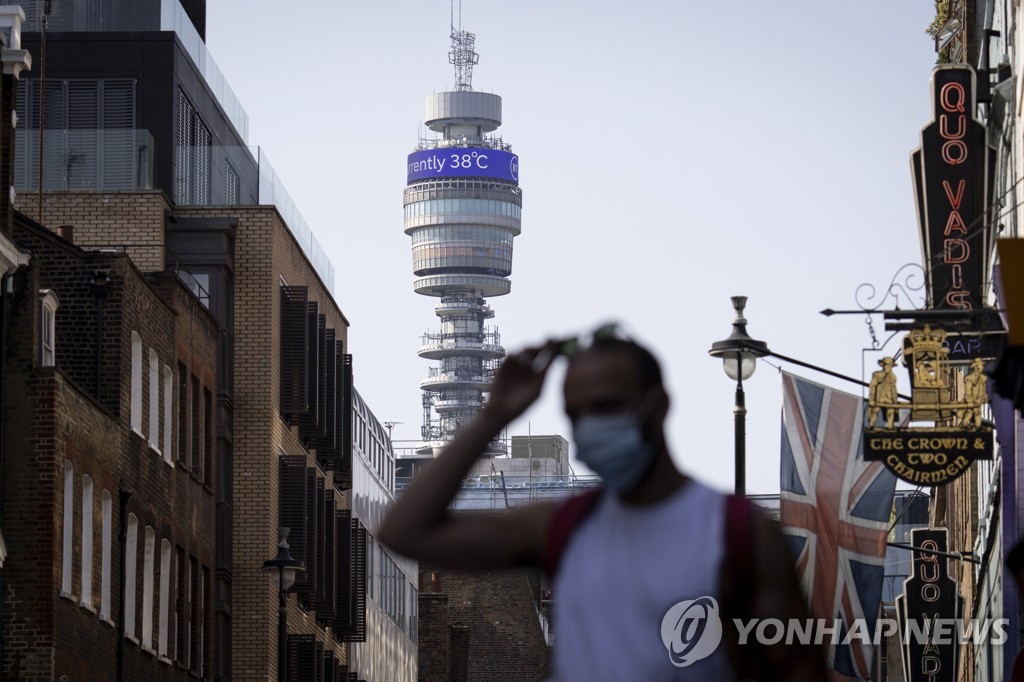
[(563, 523)]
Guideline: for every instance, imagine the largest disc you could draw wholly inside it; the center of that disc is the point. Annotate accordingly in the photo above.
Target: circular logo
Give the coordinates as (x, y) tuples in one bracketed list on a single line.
[(513, 168), (691, 630)]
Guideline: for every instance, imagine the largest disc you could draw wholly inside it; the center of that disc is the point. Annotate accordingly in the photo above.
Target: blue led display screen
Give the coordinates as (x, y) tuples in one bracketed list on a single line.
[(463, 162)]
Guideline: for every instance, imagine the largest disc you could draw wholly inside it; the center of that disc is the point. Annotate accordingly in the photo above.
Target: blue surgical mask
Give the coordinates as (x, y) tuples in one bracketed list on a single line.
[(613, 446)]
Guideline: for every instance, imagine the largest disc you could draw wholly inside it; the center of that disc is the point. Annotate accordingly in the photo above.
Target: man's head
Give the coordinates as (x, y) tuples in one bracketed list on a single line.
[(617, 404), (612, 375)]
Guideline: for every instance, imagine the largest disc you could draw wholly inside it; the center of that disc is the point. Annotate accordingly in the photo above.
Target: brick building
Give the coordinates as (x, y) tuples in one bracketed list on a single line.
[(109, 475), (483, 625), (165, 182)]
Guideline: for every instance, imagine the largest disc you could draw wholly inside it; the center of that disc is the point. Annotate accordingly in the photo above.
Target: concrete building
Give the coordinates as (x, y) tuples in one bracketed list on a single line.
[(390, 650)]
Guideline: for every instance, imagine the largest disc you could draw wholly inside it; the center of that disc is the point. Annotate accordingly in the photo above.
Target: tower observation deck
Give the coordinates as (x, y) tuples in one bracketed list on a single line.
[(462, 209)]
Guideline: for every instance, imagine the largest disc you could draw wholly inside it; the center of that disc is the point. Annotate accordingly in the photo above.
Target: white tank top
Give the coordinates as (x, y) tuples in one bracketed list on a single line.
[(623, 568)]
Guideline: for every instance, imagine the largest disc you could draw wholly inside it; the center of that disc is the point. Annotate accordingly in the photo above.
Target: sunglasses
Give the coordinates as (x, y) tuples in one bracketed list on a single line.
[(575, 345)]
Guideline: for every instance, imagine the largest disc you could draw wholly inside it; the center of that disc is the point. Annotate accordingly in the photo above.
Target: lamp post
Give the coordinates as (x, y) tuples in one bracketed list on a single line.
[(739, 355), (283, 568)]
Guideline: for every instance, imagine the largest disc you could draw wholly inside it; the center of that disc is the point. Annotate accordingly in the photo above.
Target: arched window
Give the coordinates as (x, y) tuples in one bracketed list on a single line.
[(149, 559), (107, 539), (165, 596), (86, 541), (168, 412), (136, 383), (69, 528), (154, 400), (48, 304), (131, 550)]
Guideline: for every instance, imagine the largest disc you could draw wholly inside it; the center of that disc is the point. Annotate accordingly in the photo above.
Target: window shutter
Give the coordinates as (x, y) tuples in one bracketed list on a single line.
[(201, 156), (343, 591), (184, 147), (310, 423), (307, 586), (83, 134), (330, 668), (339, 458), (319, 553), (302, 660), (292, 508), (294, 399), (318, 662), (325, 608), (330, 451), (350, 624), (119, 158), (329, 439)]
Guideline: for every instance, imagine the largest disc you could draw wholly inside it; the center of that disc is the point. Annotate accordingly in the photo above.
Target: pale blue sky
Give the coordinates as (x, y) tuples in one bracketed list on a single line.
[(672, 154)]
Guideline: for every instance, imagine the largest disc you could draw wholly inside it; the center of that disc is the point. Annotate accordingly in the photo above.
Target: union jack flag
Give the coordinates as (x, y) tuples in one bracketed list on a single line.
[(835, 510)]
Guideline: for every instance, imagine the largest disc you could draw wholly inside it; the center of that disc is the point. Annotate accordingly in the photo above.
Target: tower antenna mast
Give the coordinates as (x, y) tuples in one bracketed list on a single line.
[(462, 55)]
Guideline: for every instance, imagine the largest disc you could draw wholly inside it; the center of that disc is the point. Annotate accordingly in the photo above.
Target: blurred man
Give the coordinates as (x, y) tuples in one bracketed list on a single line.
[(647, 573)]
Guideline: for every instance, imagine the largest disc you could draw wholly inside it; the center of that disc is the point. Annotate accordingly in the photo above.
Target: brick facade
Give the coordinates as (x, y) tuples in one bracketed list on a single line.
[(266, 255), (481, 625), (130, 221), (63, 426)]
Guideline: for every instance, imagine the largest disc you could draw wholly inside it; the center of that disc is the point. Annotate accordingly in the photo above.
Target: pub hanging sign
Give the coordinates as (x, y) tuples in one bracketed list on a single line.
[(951, 171), (927, 611), (927, 455)]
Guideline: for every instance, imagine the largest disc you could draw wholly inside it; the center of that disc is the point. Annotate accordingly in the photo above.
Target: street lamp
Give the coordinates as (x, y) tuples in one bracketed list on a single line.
[(739, 355), (283, 568)]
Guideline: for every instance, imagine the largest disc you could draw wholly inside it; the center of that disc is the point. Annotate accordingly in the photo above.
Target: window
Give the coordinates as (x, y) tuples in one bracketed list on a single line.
[(165, 596), (69, 528), (194, 627), (136, 409), (48, 304), (232, 187), (207, 435), (106, 539), (197, 425), (204, 589), (180, 650), (198, 283), (86, 542), (168, 412), (148, 562), (154, 400), (183, 416), (91, 143), (192, 185), (131, 552)]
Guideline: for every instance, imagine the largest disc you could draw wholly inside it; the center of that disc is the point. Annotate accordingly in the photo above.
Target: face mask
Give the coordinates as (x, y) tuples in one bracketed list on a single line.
[(613, 446)]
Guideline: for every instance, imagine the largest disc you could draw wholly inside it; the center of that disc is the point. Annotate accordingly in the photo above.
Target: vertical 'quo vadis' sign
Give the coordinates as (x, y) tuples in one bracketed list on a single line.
[(950, 172)]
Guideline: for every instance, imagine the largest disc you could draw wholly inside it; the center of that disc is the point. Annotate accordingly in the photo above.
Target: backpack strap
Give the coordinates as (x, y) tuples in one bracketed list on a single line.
[(739, 553), (563, 522)]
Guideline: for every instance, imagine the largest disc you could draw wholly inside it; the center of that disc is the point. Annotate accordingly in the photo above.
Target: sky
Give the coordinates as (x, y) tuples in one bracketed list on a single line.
[(672, 154)]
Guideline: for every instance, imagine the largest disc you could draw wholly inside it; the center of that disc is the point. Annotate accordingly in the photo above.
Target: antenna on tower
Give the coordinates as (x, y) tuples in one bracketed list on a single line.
[(389, 426), (462, 55)]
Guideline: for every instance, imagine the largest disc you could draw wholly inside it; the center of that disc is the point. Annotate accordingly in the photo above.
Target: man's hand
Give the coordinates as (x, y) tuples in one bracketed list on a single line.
[(418, 525), (520, 380)]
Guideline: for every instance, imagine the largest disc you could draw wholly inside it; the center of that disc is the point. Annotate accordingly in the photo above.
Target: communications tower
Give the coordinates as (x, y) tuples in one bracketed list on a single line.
[(462, 209)]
